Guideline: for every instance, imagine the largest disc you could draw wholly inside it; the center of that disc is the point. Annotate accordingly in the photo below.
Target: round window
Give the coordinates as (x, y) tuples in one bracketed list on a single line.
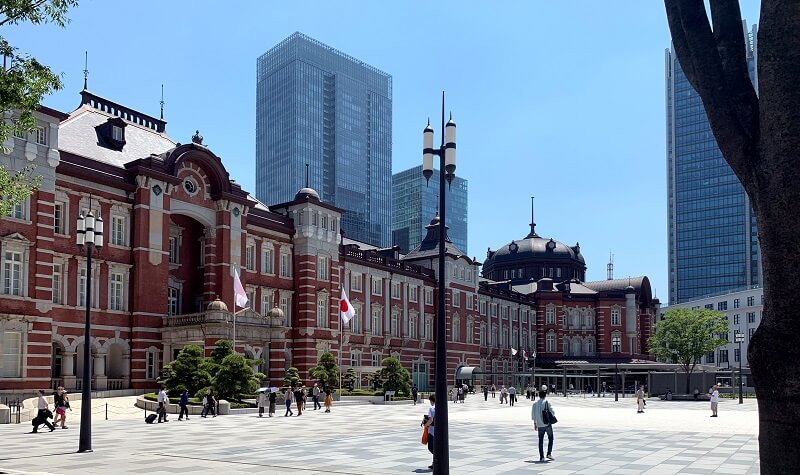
[(190, 186)]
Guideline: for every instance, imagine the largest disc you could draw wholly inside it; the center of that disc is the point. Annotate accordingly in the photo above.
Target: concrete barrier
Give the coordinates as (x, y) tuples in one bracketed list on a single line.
[(223, 407), (5, 414)]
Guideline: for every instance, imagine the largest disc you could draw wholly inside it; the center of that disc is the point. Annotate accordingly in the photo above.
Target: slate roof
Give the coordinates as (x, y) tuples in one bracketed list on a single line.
[(77, 135)]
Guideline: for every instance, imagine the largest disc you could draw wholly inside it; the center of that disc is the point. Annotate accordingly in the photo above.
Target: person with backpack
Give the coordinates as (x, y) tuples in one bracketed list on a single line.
[(543, 424)]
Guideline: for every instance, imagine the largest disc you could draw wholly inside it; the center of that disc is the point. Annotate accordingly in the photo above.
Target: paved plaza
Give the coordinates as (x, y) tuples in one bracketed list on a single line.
[(593, 436)]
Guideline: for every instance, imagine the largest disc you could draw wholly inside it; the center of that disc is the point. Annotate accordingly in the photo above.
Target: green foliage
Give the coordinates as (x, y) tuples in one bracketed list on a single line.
[(684, 336), (16, 186), (349, 378), (235, 377), (292, 377), (189, 370), (223, 350), (326, 371), (394, 377)]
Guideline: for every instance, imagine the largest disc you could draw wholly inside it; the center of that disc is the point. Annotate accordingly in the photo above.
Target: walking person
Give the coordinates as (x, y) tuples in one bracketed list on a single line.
[(273, 396), (209, 405), (714, 400), (315, 396), (289, 396), (261, 401), (414, 393), (542, 427), (163, 400), (485, 392), (494, 390), (184, 405), (429, 422), (328, 400), (299, 395), (640, 400), (503, 394), (42, 415), (61, 403), (512, 395)]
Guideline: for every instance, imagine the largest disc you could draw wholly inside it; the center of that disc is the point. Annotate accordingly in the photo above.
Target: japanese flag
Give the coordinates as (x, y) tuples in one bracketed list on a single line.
[(513, 352), (238, 290), (348, 312)]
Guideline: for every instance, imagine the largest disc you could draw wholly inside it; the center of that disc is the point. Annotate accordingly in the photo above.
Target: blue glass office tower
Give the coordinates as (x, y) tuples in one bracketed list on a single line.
[(414, 205), (316, 105), (713, 243)]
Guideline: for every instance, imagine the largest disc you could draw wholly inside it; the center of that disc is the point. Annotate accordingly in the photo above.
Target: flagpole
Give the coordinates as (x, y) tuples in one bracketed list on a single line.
[(342, 273)]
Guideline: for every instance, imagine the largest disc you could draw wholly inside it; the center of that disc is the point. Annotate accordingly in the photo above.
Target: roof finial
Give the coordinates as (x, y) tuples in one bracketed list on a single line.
[(162, 102), (306, 175), (86, 71), (610, 266)]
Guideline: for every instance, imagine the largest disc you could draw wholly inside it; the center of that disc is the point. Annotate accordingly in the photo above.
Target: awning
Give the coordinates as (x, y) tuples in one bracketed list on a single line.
[(465, 372)]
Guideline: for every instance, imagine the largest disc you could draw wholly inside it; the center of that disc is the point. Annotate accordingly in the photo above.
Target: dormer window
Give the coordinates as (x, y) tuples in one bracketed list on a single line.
[(116, 133), (111, 134)]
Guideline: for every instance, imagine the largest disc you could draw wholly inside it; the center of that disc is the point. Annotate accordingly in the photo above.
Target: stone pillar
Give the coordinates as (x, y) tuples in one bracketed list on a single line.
[(68, 370), (126, 370), (101, 381)]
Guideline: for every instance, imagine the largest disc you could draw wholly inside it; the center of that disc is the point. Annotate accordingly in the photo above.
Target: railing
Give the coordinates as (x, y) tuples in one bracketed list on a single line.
[(56, 382), (184, 320), (79, 384), (352, 252), (248, 317), (114, 384)]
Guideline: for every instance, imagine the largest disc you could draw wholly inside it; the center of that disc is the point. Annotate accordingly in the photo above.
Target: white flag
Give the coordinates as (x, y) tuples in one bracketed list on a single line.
[(348, 312), (238, 290), (513, 352)]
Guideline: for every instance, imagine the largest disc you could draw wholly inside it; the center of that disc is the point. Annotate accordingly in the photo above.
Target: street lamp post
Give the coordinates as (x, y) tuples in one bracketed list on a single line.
[(89, 235), (616, 382), (738, 337), (447, 168)]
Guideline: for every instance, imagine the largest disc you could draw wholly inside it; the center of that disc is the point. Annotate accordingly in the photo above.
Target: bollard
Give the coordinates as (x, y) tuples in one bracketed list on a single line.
[(106, 411)]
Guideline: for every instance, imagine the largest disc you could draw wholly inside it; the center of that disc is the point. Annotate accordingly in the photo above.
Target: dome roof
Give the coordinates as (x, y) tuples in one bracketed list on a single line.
[(217, 305), (533, 247), (307, 194), (276, 312)]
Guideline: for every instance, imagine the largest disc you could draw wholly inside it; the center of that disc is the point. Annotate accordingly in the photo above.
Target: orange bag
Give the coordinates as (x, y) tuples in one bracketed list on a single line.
[(425, 435)]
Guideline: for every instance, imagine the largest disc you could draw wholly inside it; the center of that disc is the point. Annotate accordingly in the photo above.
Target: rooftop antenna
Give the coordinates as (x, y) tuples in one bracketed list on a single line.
[(533, 222), (610, 266), (86, 71), (306, 175), (162, 102)]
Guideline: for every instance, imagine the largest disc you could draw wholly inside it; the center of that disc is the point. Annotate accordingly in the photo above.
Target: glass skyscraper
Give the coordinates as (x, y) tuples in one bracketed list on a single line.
[(318, 106), (713, 242), (414, 205)]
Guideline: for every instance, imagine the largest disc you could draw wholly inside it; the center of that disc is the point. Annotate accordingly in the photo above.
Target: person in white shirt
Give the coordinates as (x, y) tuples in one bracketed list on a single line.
[(640, 400), (512, 395), (163, 400), (429, 422), (714, 400), (43, 414), (540, 426)]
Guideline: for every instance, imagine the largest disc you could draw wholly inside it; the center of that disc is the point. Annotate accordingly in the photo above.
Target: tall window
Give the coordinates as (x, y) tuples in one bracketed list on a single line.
[(737, 355), (355, 359), (58, 218), (456, 298), (285, 309), (173, 300), (57, 282), (268, 260), (616, 342), (376, 359), (150, 369), (376, 321), (395, 324), (173, 249), (710, 357), (429, 296), (118, 230), (750, 332), (395, 290), (751, 301), (413, 293), (250, 257), (470, 331), (482, 307), (355, 282), (41, 135), (550, 314), (615, 316), (723, 356), (323, 263), (735, 318), (456, 323), (412, 327), (377, 286), (322, 311), (266, 301), (17, 211), (751, 317), (116, 292), (722, 305), (12, 273), (11, 347), (735, 303), (428, 329), (551, 342), (355, 322), (470, 301), (286, 265), (482, 336)]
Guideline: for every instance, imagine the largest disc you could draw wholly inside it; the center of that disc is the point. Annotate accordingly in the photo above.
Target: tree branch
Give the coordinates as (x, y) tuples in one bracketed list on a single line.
[(700, 60)]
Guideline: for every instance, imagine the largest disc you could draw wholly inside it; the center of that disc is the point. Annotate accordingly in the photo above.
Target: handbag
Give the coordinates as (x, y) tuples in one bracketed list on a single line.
[(547, 415), (425, 435)]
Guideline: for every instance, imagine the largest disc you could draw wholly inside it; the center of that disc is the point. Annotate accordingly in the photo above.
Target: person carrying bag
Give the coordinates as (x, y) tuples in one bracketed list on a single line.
[(544, 417)]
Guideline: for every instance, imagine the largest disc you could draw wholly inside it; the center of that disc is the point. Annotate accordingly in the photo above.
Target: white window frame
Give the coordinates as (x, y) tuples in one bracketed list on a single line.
[(267, 259), (173, 300), (356, 321), (413, 293), (19, 211), (11, 360), (377, 286), (355, 359), (428, 296), (286, 307), (13, 270), (59, 218), (456, 298), (322, 310), (616, 316), (119, 230), (250, 256), (395, 287), (428, 329), (550, 314), (116, 290), (394, 324), (377, 359), (616, 342), (355, 282), (266, 300), (375, 320), (57, 282), (412, 326), (151, 365), (40, 135), (323, 268), (551, 342), (285, 264), (174, 249)]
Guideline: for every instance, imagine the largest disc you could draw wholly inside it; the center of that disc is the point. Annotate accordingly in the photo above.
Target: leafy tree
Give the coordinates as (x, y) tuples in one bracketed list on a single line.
[(395, 377), (223, 350), (236, 377), (684, 336), (759, 136), (326, 371), (23, 83), (188, 370), (292, 377), (349, 378)]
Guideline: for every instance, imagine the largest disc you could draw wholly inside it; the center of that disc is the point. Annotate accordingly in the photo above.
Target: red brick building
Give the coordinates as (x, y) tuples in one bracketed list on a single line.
[(176, 226)]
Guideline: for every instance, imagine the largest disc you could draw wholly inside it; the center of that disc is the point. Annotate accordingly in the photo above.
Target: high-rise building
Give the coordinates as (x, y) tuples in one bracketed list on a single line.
[(318, 106), (713, 242), (415, 203)]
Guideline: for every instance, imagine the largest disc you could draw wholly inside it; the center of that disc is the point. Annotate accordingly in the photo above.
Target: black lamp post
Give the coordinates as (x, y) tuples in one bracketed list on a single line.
[(616, 382), (447, 168), (89, 235), (738, 337)]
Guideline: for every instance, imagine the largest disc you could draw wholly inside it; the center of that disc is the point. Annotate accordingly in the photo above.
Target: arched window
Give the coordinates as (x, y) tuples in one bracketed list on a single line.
[(575, 318), (616, 342), (590, 346), (551, 342), (576, 346)]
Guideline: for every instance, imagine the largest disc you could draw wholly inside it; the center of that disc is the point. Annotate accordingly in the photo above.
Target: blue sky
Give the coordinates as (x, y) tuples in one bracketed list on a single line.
[(562, 100)]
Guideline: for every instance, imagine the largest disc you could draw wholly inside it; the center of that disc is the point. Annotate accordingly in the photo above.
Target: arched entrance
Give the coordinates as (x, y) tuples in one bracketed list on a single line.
[(187, 260)]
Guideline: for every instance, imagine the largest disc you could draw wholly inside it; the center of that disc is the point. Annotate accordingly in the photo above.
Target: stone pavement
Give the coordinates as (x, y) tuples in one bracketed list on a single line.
[(593, 436)]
